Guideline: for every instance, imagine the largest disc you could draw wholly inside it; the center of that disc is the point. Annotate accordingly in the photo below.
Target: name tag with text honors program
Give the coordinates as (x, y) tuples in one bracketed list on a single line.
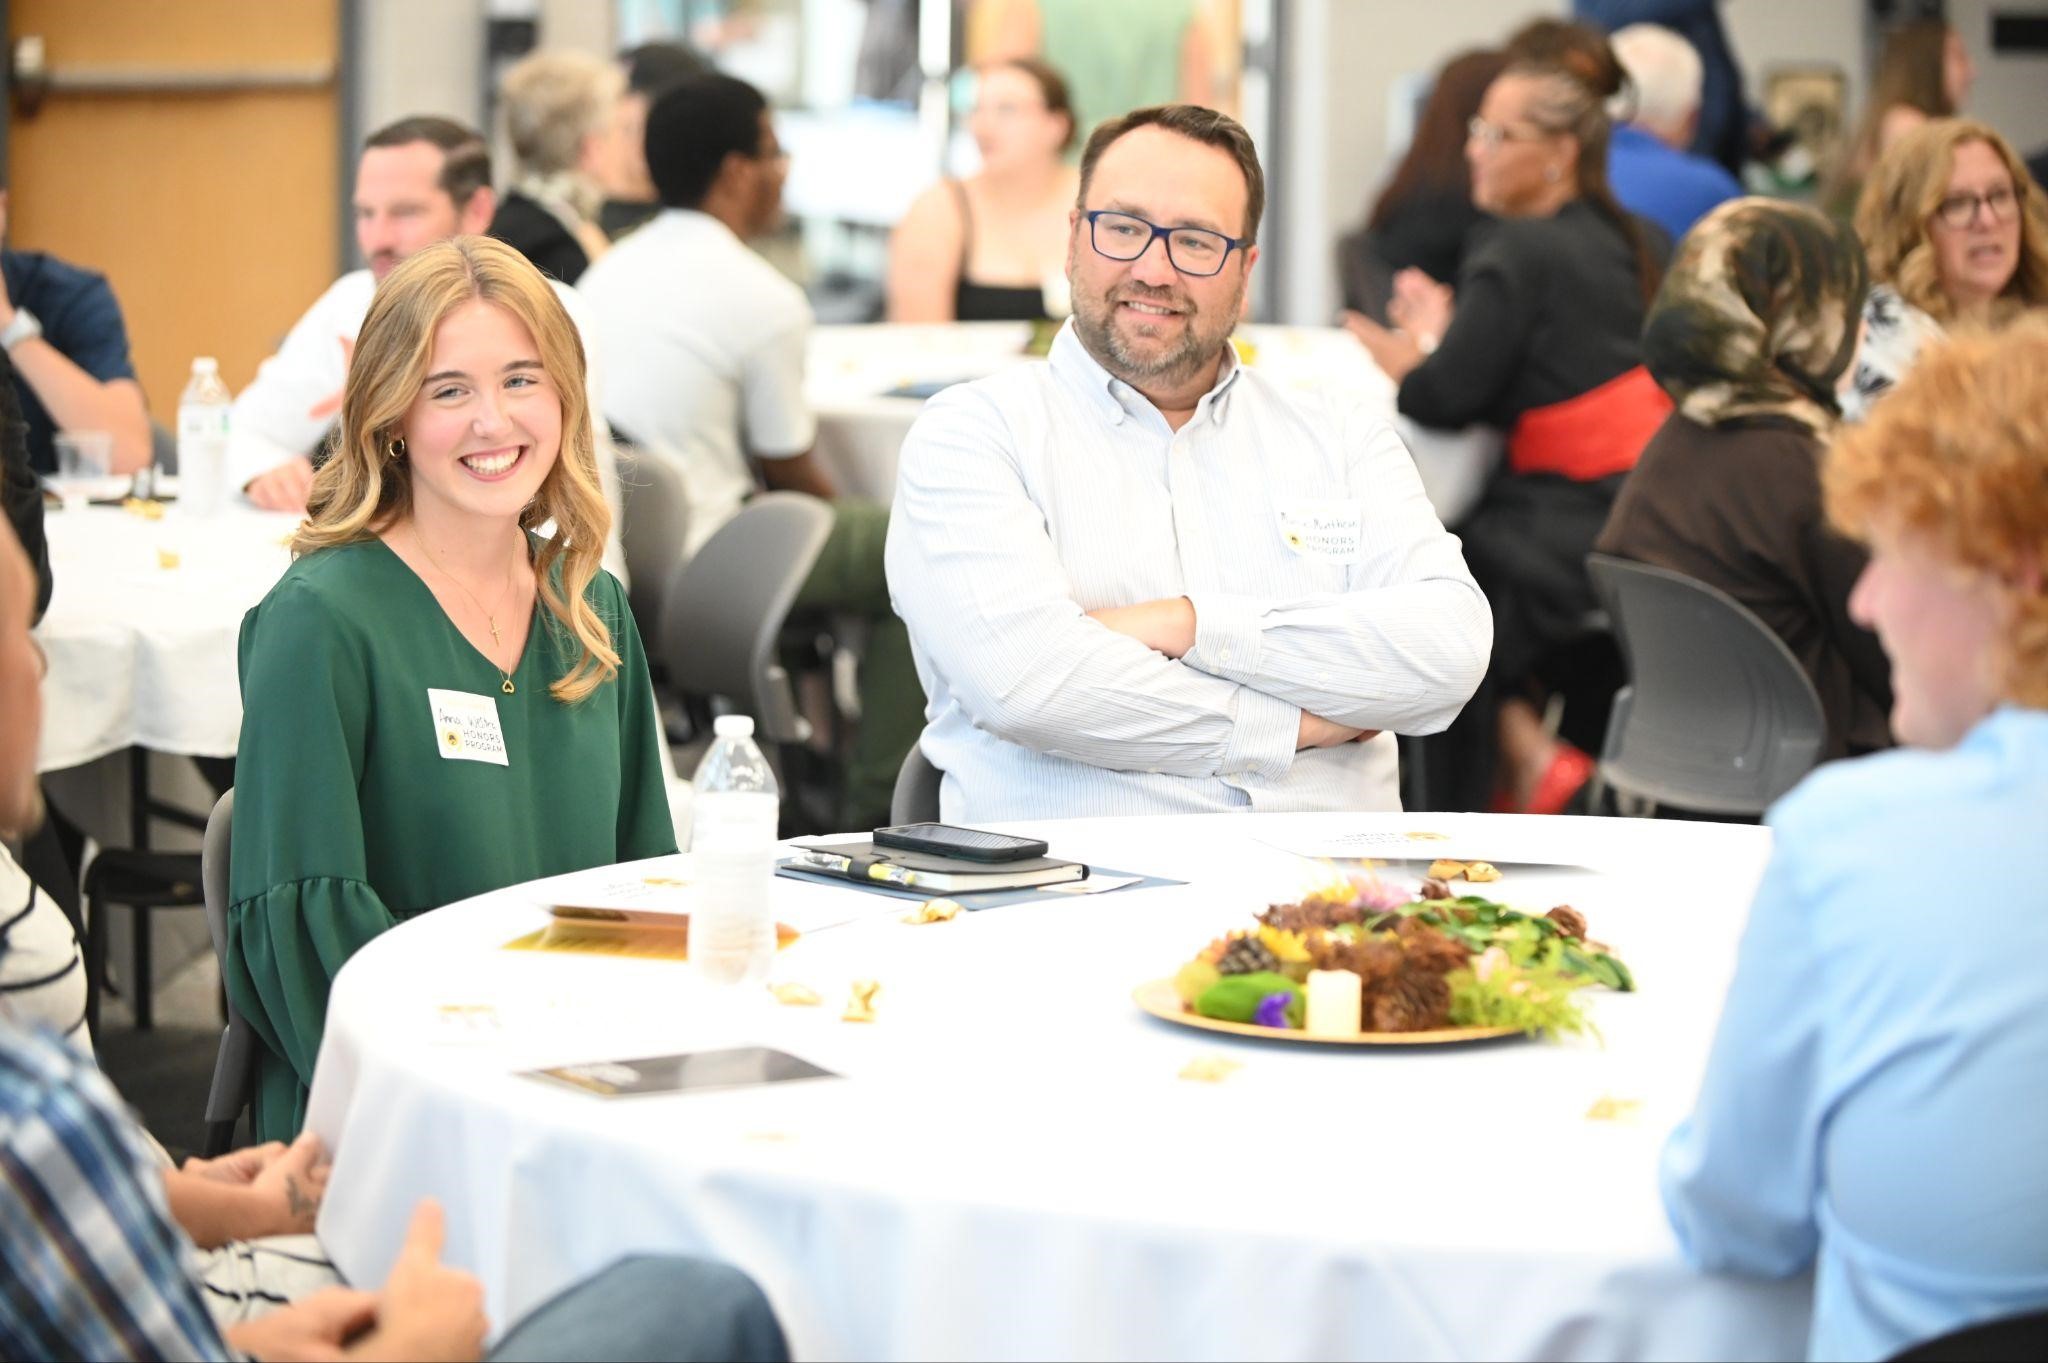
[(1331, 530), (466, 727)]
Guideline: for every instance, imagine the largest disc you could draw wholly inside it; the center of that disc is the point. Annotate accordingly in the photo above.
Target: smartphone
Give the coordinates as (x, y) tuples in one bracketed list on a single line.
[(969, 844)]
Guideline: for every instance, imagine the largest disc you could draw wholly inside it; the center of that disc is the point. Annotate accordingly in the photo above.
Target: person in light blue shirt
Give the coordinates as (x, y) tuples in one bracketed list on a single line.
[(1723, 132), (1143, 579), (1652, 173), (1872, 1106)]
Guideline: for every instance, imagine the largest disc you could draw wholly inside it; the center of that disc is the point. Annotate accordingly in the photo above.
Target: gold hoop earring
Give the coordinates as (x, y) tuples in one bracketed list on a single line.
[(395, 450)]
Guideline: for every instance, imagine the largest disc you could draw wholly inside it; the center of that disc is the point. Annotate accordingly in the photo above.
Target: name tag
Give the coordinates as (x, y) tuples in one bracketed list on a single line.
[(466, 727), (1325, 530)]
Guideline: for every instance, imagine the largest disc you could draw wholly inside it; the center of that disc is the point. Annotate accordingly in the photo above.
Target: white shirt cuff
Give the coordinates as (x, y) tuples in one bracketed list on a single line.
[(1262, 737), (1228, 640)]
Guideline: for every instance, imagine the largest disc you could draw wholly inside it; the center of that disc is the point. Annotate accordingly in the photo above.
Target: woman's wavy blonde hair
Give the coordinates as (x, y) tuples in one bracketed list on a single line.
[(1957, 454), (362, 489), (1909, 183)]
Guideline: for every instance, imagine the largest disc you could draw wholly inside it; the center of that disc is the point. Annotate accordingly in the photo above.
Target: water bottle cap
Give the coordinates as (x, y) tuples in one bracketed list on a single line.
[(733, 726), (206, 364)]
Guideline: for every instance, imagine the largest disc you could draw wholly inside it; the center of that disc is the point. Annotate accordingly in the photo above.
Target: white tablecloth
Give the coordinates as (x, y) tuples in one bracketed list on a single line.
[(1013, 1169), (850, 370), (141, 653)]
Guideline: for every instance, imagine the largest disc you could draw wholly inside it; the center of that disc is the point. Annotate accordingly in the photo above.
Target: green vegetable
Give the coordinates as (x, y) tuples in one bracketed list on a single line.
[(1234, 998), (1535, 999)]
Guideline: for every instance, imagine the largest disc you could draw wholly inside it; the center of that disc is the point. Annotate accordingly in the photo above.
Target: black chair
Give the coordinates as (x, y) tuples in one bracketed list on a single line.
[(1718, 716), (2015, 1339), (144, 881), (234, 1065), (916, 798)]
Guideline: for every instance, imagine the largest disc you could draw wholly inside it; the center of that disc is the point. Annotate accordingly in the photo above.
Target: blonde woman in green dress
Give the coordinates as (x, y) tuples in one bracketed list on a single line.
[(437, 700)]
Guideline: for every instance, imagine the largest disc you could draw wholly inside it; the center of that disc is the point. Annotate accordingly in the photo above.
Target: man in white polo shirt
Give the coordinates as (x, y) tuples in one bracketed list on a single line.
[(419, 181), (1141, 579), (707, 343)]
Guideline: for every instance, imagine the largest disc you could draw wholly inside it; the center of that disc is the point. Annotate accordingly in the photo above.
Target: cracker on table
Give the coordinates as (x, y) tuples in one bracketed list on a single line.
[(934, 911), (860, 1004), (1210, 1069)]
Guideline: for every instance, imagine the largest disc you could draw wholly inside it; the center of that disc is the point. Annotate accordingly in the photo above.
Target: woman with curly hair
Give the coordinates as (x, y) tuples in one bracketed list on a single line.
[(437, 699), (1957, 232), (1864, 1109)]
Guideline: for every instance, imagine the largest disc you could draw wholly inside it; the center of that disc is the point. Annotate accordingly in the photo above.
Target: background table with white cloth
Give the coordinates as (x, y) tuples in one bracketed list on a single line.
[(1013, 1166), (852, 370), (142, 628)]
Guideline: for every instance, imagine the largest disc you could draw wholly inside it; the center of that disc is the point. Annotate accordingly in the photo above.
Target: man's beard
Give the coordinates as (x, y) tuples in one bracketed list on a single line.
[(1095, 323)]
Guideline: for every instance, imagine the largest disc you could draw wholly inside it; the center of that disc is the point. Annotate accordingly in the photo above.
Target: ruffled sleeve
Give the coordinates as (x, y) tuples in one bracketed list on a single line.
[(299, 899)]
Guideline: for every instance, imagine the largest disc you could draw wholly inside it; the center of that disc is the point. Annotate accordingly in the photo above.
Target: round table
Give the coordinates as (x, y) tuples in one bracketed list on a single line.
[(852, 370), (1013, 1166), (142, 628)]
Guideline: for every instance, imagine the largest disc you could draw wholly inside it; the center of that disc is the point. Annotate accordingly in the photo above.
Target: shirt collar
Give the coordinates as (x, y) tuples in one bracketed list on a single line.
[(1114, 398), (694, 220)]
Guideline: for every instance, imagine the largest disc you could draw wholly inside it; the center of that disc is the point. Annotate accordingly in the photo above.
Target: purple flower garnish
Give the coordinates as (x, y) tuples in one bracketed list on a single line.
[(1272, 1010)]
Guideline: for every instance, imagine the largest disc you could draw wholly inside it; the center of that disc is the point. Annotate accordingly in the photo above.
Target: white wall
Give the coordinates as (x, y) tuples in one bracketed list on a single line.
[(418, 58), (2012, 91)]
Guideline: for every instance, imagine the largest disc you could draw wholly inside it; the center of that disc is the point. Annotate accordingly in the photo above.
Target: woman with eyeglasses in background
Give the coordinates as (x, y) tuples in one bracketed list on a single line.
[(1543, 343), (1957, 235), (984, 248)]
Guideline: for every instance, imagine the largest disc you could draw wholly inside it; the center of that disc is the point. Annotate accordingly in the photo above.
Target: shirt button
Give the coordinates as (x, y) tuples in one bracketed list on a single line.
[(1224, 655)]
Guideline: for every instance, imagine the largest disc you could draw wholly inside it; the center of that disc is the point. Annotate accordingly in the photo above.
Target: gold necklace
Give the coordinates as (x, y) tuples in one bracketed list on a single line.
[(490, 615)]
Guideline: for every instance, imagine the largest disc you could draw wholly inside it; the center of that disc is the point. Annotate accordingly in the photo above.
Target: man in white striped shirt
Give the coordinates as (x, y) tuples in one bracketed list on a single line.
[(1142, 579)]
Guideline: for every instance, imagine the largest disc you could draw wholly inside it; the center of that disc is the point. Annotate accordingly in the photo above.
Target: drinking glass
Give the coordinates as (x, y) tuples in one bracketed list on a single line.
[(83, 461)]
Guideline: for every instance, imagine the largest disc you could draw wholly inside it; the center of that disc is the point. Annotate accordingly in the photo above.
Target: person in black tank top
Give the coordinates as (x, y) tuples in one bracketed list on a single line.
[(1023, 123), (974, 302)]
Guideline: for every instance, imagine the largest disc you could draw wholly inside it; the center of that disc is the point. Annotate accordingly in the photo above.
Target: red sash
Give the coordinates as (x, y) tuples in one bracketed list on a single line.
[(1594, 434)]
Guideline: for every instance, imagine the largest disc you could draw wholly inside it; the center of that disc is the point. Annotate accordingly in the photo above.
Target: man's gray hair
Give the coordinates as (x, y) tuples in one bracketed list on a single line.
[(1666, 74)]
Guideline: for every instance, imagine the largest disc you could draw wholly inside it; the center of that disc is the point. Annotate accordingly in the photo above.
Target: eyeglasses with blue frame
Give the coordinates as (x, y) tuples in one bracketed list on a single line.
[(1192, 250)]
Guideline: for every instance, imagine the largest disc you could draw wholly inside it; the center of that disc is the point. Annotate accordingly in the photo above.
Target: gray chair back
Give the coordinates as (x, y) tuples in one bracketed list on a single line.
[(1718, 716), (725, 610), (1365, 280), (916, 799), (652, 527), (234, 1065)]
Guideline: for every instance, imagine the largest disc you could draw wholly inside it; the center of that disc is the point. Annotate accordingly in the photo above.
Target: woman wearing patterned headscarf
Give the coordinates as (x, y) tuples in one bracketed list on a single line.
[(1752, 334)]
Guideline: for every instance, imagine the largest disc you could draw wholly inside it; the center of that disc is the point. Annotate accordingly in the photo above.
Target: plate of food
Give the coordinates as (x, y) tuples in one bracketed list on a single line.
[(1361, 963)]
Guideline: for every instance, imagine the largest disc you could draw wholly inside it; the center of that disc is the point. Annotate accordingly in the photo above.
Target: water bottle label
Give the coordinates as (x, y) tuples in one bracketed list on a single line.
[(203, 421), (736, 820)]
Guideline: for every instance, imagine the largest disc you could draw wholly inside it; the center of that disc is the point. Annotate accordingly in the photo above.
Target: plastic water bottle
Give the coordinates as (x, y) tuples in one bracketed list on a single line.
[(203, 440), (732, 843)]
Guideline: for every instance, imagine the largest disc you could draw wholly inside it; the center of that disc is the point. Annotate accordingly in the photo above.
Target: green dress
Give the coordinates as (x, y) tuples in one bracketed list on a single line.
[(350, 819)]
